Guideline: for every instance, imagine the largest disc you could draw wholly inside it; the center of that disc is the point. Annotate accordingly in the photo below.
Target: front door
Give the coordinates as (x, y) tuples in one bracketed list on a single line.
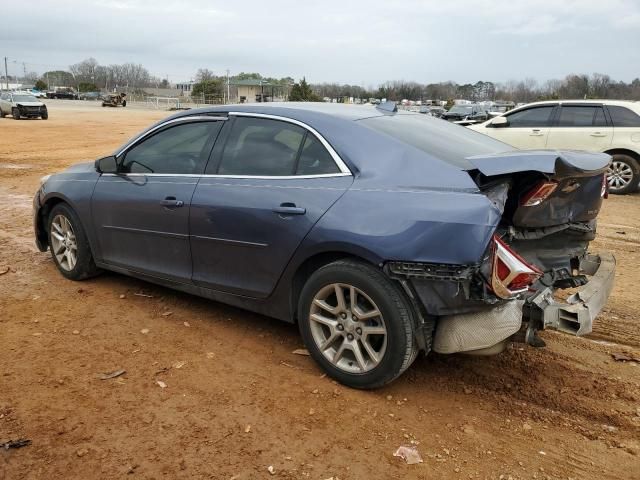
[(141, 214), (271, 182), (580, 127), (527, 129)]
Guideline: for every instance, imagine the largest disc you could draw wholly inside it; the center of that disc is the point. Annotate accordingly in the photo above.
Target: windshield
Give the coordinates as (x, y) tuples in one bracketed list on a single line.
[(445, 141), (461, 109), (24, 98)]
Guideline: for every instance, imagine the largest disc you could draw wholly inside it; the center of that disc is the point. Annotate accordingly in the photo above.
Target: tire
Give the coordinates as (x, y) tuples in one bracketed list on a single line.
[(62, 215), (15, 113), (2, 114), (623, 175), (44, 116), (124, 103), (395, 349)]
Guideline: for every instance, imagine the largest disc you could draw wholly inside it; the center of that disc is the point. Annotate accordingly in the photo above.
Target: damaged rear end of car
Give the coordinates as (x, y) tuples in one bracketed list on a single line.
[(537, 272)]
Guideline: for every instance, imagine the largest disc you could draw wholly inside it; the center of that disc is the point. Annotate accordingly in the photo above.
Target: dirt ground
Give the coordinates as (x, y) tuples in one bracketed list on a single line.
[(237, 400)]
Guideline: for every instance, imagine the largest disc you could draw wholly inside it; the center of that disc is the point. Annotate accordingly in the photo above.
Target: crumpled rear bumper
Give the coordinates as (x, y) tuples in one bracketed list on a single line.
[(577, 313)]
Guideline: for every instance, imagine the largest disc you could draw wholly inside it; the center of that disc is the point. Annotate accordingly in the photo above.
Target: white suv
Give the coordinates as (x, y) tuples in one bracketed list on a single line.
[(609, 126)]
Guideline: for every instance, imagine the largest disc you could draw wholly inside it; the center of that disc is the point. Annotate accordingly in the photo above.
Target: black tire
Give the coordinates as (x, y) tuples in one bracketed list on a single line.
[(85, 266), (15, 113), (44, 115), (124, 103), (401, 347), (2, 114), (621, 162)]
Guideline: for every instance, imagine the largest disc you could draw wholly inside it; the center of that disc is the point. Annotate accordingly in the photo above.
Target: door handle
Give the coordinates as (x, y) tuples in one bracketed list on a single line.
[(171, 202), (598, 134), (289, 209), (536, 133)]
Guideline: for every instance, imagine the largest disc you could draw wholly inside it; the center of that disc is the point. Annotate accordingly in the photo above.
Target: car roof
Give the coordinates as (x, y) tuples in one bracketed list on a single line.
[(299, 110), (626, 103)]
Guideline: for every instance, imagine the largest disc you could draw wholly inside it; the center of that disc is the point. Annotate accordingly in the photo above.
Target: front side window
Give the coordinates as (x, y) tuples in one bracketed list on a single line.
[(531, 117), (623, 117), (581, 116), (182, 149)]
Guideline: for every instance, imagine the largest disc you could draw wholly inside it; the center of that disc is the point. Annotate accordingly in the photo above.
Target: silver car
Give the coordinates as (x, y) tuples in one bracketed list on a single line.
[(22, 105)]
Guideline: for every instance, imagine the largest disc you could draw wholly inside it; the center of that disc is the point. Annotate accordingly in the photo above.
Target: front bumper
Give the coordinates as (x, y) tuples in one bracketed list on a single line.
[(576, 314)]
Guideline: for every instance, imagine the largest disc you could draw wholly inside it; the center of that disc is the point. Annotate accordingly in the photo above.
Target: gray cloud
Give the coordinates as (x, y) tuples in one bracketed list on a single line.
[(360, 42)]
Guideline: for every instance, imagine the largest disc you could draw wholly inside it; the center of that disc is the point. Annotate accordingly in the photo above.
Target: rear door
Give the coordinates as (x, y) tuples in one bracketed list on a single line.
[(141, 214), (527, 128), (269, 181), (580, 127)]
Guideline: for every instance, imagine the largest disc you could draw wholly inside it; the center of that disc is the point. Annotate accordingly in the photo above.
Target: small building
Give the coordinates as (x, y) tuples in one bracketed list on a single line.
[(185, 88), (253, 90)]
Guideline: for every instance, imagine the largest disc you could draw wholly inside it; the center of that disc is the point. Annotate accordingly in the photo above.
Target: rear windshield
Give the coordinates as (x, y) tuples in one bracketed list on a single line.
[(445, 141)]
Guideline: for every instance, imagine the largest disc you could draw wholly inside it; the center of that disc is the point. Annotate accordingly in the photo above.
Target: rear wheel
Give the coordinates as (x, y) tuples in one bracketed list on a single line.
[(357, 324), (623, 175), (69, 246), (2, 114)]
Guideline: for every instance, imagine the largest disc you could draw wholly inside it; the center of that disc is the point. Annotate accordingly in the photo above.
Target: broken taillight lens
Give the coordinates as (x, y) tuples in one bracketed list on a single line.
[(511, 274), (538, 194)]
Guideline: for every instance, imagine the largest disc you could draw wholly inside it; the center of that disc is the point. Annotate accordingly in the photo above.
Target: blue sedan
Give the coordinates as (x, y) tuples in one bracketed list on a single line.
[(381, 233)]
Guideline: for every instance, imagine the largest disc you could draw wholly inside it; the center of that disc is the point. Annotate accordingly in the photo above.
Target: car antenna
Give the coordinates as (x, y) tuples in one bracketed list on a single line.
[(388, 106)]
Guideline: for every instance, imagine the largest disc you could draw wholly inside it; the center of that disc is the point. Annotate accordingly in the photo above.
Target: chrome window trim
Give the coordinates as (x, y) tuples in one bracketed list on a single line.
[(336, 158), (144, 135), (257, 177)]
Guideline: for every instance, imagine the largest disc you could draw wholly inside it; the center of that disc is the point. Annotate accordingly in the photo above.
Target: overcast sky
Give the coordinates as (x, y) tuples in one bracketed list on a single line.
[(362, 42)]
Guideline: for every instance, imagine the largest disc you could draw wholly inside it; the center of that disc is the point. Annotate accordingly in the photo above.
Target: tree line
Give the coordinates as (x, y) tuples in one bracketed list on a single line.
[(572, 86), (89, 75)]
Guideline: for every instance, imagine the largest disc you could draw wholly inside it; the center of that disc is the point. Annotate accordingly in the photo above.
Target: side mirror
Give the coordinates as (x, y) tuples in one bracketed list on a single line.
[(500, 122), (107, 165)]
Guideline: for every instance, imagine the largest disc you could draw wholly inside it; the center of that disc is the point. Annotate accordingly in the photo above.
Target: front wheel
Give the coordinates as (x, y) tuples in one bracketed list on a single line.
[(69, 246), (357, 324), (15, 113), (623, 175), (44, 115)]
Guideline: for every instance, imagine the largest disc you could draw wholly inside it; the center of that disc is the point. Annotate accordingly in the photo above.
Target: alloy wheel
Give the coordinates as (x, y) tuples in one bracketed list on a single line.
[(619, 175), (348, 328), (63, 243)]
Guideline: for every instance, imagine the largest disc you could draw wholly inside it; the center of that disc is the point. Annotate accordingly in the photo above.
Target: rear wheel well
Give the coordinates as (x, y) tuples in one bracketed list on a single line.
[(310, 265), (622, 151)]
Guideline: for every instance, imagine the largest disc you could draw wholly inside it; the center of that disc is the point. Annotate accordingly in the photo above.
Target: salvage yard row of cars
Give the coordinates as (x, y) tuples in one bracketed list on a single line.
[(381, 233)]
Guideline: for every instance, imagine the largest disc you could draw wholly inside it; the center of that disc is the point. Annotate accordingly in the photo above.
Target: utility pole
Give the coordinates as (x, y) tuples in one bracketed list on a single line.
[(6, 73), (228, 89)]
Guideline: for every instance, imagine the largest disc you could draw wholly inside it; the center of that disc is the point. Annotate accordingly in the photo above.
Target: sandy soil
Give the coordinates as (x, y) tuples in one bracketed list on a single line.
[(238, 401)]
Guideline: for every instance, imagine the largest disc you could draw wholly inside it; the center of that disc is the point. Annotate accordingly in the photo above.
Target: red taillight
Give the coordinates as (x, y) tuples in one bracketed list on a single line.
[(511, 274), (538, 194)]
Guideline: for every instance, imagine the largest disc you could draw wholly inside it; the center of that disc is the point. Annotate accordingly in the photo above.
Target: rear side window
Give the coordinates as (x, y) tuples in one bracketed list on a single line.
[(581, 116), (315, 159), (623, 117), (531, 117), (261, 147)]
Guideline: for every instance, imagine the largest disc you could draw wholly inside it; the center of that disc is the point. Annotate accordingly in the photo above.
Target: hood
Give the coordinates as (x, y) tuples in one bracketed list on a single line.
[(545, 161), (81, 167), (30, 104)]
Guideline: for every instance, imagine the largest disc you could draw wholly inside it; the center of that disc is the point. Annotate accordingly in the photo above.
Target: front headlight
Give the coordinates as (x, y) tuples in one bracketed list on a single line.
[(44, 179)]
